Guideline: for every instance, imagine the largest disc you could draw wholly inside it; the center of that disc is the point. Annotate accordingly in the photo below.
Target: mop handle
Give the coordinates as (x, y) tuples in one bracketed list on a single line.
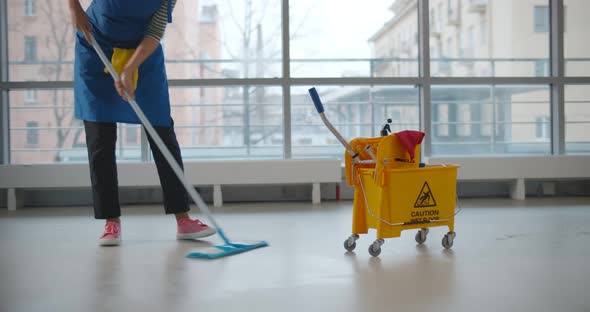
[(159, 143), (315, 97)]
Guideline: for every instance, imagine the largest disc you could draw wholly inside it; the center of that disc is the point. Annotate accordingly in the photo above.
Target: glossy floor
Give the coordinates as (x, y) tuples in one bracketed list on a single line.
[(508, 256)]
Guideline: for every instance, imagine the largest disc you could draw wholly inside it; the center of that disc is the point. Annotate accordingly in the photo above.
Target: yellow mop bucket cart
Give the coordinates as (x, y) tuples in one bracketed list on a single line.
[(395, 194), (392, 191)]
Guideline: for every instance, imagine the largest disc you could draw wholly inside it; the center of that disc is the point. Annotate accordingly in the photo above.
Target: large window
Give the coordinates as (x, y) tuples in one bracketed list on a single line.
[(46, 131), (229, 122), (480, 120), (511, 43), (224, 39), (239, 80), (331, 38)]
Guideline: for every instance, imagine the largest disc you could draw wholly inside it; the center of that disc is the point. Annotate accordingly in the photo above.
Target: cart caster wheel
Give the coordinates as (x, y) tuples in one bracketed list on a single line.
[(350, 243), (447, 240), (374, 251), (349, 247), (421, 236), (375, 248)]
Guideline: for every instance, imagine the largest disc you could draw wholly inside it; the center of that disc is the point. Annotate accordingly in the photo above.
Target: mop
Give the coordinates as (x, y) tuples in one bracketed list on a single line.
[(229, 248)]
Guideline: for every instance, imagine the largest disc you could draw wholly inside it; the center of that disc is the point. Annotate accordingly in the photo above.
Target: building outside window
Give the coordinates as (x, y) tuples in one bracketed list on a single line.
[(542, 128), (450, 12), (464, 120), (131, 136), (32, 133), (30, 96), (30, 49), (442, 129), (487, 119), (541, 68), (470, 48), (541, 18), (433, 21), (484, 31), (30, 8)]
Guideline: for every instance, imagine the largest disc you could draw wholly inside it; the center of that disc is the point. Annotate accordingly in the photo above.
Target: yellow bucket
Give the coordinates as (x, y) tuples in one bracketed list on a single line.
[(404, 199)]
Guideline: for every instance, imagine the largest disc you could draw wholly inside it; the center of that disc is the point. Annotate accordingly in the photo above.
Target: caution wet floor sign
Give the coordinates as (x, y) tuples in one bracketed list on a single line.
[(425, 198), (425, 208)]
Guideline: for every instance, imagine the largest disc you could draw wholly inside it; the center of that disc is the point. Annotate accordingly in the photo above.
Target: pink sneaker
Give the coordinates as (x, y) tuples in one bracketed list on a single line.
[(111, 235), (193, 229)]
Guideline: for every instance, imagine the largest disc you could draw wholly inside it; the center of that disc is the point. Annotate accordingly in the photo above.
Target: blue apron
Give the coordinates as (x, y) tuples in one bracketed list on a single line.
[(120, 24)]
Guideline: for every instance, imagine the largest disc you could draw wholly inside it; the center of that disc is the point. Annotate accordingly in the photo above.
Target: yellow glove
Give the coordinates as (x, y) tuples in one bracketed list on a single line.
[(120, 59)]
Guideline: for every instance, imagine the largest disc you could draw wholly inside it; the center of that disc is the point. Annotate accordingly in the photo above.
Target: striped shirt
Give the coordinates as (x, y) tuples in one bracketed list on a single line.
[(157, 26)]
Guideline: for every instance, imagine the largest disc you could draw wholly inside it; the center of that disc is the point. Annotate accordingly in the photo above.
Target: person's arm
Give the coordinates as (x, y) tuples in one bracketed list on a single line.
[(79, 18), (150, 42)]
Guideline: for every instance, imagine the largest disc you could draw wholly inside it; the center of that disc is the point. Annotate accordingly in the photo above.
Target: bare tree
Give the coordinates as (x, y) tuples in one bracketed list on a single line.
[(256, 53)]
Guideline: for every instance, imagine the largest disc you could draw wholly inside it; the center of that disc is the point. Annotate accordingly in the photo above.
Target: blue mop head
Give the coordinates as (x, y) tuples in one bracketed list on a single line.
[(226, 250)]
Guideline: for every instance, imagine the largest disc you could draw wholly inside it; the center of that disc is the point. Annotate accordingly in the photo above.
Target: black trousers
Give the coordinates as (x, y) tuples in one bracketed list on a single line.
[(101, 138)]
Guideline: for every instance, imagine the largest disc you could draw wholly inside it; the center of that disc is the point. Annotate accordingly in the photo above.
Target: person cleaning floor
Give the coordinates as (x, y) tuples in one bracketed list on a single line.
[(129, 31)]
